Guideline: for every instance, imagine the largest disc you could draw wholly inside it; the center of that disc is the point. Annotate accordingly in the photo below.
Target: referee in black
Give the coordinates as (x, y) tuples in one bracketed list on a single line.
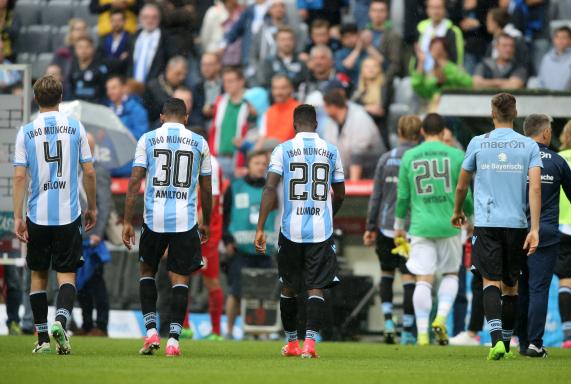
[(538, 268)]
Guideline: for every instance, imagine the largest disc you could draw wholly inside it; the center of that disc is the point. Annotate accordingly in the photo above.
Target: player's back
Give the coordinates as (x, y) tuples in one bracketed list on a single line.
[(174, 158), (309, 166), (431, 171), (501, 160), (52, 146)]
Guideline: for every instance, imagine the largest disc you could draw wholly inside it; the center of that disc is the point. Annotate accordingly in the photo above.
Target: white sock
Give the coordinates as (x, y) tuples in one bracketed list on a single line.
[(447, 294), (151, 332), (172, 342), (422, 301)]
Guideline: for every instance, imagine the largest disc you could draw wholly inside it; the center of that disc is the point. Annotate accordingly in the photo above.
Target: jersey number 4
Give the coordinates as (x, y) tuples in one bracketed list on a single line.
[(58, 158), (319, 183), (183, 161), (429, 172)]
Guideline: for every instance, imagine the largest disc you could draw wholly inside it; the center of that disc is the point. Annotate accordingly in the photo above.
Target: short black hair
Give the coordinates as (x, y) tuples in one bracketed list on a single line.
[(335, 97), (115, 76), (304, 115), (174, 107), (433, 124), (349, 28), (116, 11)]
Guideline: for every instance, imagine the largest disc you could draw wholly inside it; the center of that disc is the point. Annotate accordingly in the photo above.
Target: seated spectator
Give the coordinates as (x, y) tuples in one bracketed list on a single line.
[(114, 47), (180, 21), (355, 48), (63, 56), (207, 91), (371, 93), (555, 69), (131, 112), (355, 134), (285, 61), (240, 217), (473, 25), (277, 122), (319, 35), (151, 48), (503, 72), (9, 27), (385, 39), (498, 22), (8, 78), (437, 25), (265, 44), (55, 71), (219, 20), (185, 95), (87, 75), (321, 71), (310, 11), (230, 123), (160, 89), (104, 7), (247, 26), (445, 74)]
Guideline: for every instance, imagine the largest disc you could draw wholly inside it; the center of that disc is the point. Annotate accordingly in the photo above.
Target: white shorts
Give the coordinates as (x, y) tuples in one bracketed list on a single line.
[(429, 256)]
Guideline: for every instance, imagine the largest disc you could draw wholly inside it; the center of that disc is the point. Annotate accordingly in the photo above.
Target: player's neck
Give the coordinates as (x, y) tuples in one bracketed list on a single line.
[(499, 125), (49, 109), (432, 138)]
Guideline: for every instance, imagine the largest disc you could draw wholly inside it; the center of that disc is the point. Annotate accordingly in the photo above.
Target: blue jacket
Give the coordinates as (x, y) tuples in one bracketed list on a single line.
[(315, 4), (555, 175), (134, 116), (243, 29)]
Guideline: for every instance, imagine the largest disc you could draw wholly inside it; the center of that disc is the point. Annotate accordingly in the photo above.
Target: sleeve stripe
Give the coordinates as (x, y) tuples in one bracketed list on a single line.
[(87, 160), (19, 164)]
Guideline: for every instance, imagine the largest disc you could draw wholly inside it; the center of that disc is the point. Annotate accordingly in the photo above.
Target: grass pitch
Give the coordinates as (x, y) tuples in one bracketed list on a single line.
[(99, 360)]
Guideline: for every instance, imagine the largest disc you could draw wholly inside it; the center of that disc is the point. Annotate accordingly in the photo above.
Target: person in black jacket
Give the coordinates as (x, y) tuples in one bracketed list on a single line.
[(205, 93), (88, 74)]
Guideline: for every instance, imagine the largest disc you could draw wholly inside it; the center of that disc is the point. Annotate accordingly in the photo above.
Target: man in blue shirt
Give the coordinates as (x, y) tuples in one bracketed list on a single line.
[(501, 160), (538, 270)]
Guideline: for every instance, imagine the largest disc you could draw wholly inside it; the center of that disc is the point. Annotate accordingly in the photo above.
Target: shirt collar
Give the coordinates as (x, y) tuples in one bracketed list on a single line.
[(173, 125), (308, 135)]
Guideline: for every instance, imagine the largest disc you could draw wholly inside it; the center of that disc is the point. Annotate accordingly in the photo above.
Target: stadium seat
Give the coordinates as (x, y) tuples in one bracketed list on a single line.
[(28, 11), (34, 39), (25, 58), (404, 96), (57, 12), (81, 10), (58, 37), (40, 64)]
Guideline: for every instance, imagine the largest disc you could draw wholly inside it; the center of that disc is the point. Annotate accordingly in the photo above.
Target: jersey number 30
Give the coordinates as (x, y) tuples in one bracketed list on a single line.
[(180, 166), (319, 183)]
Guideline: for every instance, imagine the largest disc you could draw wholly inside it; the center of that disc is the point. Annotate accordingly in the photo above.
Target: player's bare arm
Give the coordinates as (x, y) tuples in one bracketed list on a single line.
[(532, 239), (137, 176), (19, 182), (459, 219), (89, 184), (206, 204), (269, 202), (338, 196)]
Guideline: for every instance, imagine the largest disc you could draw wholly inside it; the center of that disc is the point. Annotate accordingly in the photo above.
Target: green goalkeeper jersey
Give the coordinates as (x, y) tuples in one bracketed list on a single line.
[(427, 185)]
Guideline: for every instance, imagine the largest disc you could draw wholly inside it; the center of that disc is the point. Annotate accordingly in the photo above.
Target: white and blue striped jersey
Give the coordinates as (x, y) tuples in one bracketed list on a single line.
[(308, 165), (51, 148), (174, 158)]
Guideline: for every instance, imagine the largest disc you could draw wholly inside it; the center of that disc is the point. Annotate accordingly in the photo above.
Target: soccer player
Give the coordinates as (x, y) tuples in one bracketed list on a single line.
[(49, 151), (310, 168), (538, 268), (173, 160), (502, 160), (427, 176), (380, 224)]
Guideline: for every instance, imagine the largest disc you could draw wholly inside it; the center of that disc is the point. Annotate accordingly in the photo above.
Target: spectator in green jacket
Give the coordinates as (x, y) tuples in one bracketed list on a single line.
[(445, 73)]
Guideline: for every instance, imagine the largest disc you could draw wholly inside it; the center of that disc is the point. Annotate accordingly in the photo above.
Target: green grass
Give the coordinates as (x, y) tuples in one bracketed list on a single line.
[(116, 361)]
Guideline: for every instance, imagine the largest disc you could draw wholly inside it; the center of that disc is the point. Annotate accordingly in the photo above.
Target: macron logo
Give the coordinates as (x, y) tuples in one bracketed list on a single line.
[(512, 144)]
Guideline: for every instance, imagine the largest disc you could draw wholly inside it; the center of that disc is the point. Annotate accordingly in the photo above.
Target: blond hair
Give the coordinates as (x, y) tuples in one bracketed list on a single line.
[(409, 127), (370, 91), (72, 22), (48, 91), (565, 137)]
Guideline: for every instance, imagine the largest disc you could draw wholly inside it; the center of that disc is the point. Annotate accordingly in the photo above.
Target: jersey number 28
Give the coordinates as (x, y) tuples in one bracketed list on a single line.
[(319, 181)]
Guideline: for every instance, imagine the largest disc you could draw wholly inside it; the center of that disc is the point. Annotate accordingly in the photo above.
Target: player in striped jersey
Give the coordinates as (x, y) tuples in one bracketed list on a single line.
[(310, 168), (173, 160), (49, 151)]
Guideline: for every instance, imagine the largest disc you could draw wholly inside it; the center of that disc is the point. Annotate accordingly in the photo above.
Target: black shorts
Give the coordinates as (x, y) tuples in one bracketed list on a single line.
[(498, 254), (60, 245), (303, 266), (240, 261), (389, 262), (563, 265), (184, 255)]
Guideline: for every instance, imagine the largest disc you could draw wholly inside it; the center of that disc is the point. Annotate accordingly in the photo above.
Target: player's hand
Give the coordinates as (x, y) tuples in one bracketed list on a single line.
[(90, 219), (369, 238), (128, 236), (94, 240), (399, 233), (260, 242), (531, 242), (21, 230), (204, 232), (458, 219)]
